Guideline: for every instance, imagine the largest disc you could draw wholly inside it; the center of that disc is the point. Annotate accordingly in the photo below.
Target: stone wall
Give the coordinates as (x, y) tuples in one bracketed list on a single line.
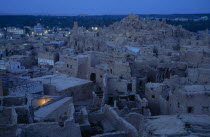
[(79, 93)]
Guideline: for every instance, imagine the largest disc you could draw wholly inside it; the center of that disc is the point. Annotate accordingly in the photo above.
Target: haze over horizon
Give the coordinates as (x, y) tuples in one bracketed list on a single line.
[(103, 7)]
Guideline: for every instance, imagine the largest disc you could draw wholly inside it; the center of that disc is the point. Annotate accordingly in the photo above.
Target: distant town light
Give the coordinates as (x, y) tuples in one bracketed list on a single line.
[(45, 32), (94, 28)]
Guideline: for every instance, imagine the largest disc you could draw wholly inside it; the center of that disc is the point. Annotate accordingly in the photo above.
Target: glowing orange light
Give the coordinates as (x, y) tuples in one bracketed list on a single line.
[(41, 101)]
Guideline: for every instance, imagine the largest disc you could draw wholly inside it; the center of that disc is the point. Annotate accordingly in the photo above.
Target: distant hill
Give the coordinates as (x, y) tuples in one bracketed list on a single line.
[(100, 21)]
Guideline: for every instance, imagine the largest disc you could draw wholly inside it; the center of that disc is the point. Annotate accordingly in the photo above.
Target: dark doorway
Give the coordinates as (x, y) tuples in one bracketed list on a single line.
[(129, 87), (111, 101), (189, 109), (93, 77)]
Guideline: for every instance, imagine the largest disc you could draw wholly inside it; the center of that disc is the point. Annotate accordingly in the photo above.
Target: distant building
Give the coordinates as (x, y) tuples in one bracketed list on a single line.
[(38, 29), (16, 31), (25, 61), (47, 58), (1, 34), (1, 88), (11, 66)]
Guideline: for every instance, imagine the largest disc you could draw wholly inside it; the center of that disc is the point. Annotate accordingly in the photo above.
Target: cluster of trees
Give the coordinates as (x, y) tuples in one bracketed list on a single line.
[(192, 25), (99, 21), (58, 21)]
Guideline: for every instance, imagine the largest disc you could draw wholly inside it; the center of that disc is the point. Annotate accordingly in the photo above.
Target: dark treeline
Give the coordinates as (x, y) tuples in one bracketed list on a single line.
[(58, 21), (99, 21), (191, 25)]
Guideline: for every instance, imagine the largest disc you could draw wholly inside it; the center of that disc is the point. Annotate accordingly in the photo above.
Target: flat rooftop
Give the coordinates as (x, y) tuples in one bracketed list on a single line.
[(178, 125), (62, 81), (17, 56), (197, 88), (45, 111)]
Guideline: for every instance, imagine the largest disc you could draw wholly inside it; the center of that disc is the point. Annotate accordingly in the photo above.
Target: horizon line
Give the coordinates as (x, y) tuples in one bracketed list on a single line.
[(11, 14)]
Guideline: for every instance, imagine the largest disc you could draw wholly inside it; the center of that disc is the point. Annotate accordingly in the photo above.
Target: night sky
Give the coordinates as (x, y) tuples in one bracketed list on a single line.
[(99, 7)]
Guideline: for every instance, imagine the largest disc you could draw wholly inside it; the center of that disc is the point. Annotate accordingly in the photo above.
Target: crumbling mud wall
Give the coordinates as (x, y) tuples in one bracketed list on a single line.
[(120, 123)]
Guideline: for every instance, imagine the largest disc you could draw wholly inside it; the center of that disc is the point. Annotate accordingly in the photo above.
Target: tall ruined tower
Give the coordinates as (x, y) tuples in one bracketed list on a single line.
[(1, 88), (75, 28), (207, 38)]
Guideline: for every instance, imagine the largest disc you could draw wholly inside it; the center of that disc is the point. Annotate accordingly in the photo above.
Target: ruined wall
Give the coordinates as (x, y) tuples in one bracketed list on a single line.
[(8, 116), (8, 131), (82, 71), (182, 102), (79, 93), (199, 75), (33, 87), (153, 92), (70, 65), (53, 129), (116, 85), (118, 122), (25, 61), (147, 50), (192, 57), (65, 109), (76, 66), (50, 90), (113, 134), (99, 72), (1, 88), (61, 108), (15, 110), (135, 119), (10, 101), (122, 69)]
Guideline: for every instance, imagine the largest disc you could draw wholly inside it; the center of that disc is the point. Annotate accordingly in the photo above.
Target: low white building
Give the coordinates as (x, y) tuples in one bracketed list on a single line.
[(46, 62), (47, 58), (11, 66), (16, 31), (38, 29)]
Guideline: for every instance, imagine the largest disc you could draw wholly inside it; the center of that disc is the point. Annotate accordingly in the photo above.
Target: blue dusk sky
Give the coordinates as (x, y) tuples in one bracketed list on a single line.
[(101, 7)]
